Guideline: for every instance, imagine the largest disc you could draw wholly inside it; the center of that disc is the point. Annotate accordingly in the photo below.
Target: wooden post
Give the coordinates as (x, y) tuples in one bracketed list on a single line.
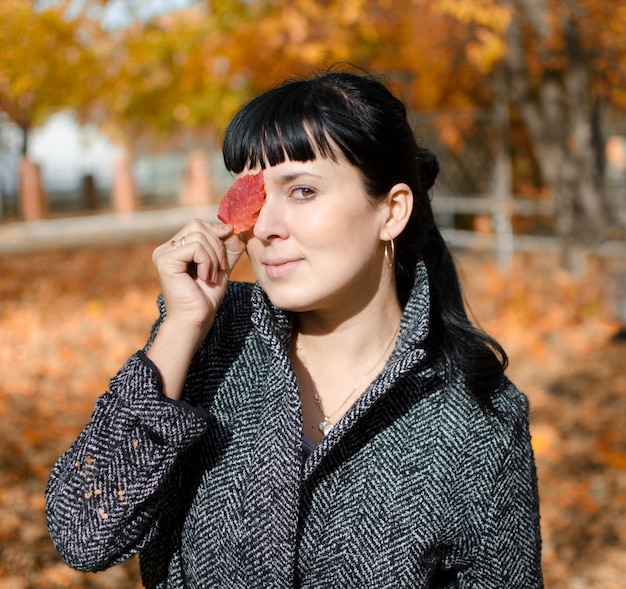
[(196, 190), (89, 193), (123, 196), (32, 200)]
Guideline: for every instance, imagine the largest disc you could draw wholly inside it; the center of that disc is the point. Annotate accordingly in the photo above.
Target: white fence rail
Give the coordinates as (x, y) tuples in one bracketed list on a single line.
[(501, 239)]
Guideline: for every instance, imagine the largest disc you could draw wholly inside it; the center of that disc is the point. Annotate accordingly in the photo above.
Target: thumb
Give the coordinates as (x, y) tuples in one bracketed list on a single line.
[(234, 247)]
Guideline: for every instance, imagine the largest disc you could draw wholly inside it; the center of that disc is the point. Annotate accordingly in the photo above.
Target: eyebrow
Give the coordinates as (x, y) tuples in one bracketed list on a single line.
[(285, 178)]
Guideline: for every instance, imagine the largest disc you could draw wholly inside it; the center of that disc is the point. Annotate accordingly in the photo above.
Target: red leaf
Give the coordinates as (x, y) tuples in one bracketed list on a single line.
[(241, 204)]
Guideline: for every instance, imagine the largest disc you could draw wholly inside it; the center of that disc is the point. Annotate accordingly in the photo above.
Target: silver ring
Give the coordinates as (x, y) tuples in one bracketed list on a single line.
[(173, 244), (182, 240)]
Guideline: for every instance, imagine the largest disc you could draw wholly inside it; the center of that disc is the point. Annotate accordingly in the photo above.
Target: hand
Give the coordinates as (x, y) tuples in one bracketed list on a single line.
[(193, 268)]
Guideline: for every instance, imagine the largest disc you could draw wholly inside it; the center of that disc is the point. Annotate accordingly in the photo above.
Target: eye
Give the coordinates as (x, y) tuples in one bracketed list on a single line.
[(303, 193)]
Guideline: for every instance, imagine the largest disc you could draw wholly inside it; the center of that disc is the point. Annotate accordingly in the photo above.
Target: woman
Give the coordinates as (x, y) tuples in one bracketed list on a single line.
[(340, 423)]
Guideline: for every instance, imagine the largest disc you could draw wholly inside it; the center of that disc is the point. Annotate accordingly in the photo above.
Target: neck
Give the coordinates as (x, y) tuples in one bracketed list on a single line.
[(335, 361), (353, 319), (349, 336), (340, 349), (337, 354)]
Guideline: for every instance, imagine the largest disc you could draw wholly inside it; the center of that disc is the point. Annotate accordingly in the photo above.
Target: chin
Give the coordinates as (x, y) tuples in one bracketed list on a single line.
[(294, 305), (288, 299)]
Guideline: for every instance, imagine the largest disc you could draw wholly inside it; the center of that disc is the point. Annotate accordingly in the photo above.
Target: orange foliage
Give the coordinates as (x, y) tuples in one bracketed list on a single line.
[(45, 62)]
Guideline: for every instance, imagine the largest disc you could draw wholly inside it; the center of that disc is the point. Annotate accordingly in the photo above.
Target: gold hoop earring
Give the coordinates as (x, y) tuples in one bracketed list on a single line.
[(390, 256)]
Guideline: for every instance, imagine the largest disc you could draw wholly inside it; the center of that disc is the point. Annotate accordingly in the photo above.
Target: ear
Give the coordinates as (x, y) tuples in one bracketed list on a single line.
[(398, 207)]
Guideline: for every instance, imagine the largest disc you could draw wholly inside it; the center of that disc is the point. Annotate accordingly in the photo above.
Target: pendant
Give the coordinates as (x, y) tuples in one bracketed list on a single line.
[(325, 426)]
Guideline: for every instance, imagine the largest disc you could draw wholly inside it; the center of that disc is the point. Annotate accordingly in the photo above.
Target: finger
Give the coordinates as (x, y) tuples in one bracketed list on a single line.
[(224, 232), (181, 238), (228, 245), (200, 247), (215, 252), (234, 247), (207, 261)]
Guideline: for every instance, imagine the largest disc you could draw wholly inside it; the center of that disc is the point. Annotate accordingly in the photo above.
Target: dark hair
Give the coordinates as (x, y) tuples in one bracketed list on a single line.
[(358, 115)]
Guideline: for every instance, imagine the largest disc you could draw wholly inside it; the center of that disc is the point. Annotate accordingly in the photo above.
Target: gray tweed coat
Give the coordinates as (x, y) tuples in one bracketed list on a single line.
[(416, 487)]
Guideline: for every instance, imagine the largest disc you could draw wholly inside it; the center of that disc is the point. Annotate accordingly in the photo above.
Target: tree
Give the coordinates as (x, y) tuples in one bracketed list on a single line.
[(193, 68), (565, 65), (45, 66), (166, 77)]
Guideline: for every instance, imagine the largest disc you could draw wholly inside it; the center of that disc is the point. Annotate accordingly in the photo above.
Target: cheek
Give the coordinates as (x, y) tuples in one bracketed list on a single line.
[(253, 249), (327, 229)]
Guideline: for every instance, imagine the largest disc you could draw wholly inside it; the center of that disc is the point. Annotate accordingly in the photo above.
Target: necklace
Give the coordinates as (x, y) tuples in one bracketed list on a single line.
[(326, 424)]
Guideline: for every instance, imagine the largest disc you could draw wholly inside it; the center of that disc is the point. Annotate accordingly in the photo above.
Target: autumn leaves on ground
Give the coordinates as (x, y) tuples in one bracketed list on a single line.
[(69, 318)]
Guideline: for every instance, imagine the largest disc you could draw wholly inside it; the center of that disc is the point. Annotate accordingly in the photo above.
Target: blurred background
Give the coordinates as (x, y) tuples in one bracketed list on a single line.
[(111, 116)]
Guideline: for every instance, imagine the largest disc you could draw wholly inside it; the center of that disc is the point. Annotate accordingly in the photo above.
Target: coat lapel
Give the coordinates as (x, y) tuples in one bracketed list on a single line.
[(272, 497)]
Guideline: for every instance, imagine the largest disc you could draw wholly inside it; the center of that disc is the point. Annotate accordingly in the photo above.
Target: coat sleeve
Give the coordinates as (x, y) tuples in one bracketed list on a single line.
[(104, 495), (510, 552), (115, 489)]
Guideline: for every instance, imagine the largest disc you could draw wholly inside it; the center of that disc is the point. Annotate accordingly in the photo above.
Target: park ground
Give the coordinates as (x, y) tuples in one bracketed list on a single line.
[(70, 317)]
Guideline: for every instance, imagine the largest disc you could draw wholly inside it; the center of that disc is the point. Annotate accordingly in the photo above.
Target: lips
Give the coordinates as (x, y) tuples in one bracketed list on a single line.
[(279, 268)]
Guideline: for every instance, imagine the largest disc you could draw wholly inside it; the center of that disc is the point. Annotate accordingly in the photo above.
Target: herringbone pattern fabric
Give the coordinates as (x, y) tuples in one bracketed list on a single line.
[(416, 487)]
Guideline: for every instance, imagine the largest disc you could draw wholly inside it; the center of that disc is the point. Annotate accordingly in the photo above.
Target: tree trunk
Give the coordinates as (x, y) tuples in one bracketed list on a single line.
[(562, 122), (25, 136)]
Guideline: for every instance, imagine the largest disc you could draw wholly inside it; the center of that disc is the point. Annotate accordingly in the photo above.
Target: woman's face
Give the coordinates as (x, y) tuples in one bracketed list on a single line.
[(316, 245)]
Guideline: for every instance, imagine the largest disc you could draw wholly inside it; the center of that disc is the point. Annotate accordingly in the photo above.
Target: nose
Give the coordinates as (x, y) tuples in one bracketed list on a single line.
[(271, 222)]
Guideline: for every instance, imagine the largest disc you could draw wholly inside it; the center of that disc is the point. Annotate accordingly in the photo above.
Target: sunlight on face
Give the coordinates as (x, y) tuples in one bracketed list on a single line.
[(317, 241)]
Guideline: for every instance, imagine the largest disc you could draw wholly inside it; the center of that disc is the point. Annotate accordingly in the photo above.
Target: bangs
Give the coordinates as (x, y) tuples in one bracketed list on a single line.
[(284, 123)]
